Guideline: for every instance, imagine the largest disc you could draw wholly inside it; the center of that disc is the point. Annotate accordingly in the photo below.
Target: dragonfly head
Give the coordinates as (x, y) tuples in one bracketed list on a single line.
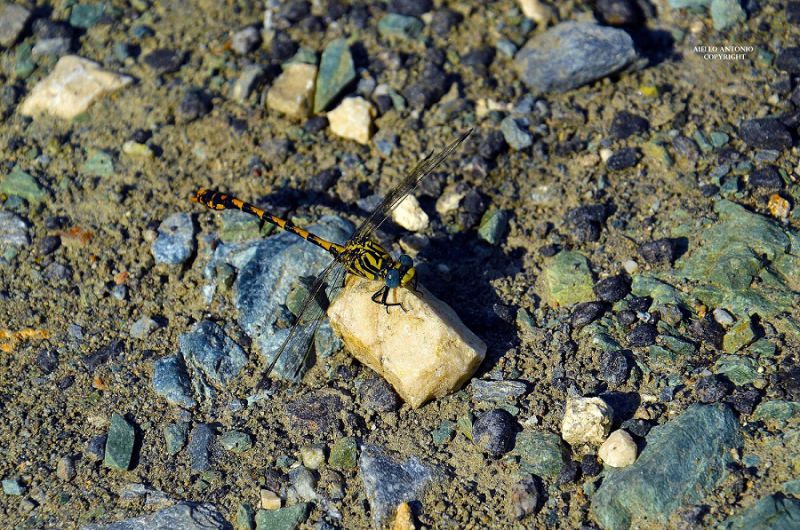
[(402, 273)]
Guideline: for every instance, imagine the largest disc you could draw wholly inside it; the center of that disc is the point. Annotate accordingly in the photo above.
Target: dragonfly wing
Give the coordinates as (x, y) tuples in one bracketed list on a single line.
[(377, 217)]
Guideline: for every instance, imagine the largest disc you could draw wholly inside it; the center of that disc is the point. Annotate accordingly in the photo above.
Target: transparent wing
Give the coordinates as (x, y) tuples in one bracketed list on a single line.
[(297, 345), (377, 217)]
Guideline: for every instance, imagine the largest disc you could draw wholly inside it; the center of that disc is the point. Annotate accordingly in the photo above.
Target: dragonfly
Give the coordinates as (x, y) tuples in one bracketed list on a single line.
[(360, 256)]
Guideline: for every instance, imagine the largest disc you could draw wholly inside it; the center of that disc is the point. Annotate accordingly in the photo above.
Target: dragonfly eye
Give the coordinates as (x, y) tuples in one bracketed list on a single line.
[(392, 278), (406, 261)]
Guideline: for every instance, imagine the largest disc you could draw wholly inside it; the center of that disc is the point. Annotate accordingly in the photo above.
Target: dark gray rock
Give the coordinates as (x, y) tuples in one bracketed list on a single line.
[(13, 19), (171, 381), (200, 440), (684, 460), (119, 443), (765, 133), (627, 124), (216, 355), (164, 61), (388, 482), (526, 497), (494, 432), (623, 159), (767, 178), (378, 395), (318, 410), (175, 241), (182, 516), (572, 54)]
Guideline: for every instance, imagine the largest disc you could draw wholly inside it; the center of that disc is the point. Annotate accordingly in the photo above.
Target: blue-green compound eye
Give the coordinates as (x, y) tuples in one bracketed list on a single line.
[(406, 261), (393, 278)]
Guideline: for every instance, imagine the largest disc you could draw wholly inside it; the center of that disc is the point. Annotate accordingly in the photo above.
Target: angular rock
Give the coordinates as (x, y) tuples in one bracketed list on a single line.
[(586, 421), (572, 54), (73, 85), (425, 352), (22, 184), (209, 349), (684, 460), (765, 133), (540, 453), (13, 19), (336, 72), (567, 279), (619, 449), (182, 516), (119, 443), (493, 226), (497, 391), (352, 119), (287, 518), (726, 14), (318, 410), (199, 448), (410, 215), (171, 381), (393, 25), (13, 230), (175, 241), (388, 482), (291, 92)]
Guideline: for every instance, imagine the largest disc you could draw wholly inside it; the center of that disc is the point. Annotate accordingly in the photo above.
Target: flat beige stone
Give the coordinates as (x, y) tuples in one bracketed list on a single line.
[(352, 119), (424, 352), (73, 85), (292, 91)]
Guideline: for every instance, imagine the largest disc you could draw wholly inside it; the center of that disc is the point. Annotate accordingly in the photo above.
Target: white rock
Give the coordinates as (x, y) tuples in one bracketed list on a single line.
[(619, 449), (73, 85), (143, 327), (352, 119), (630, 266), (410, 215), (723, 317), (291, 92), (536, 11), (424, 352), (586, 421), (450, 198)]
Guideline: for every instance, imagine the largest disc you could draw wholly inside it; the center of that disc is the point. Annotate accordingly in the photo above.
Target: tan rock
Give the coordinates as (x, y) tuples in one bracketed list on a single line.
[(537, 11), (73, 85), (352, 119), (410, 215), (270, 500), (292, 91), (425, 352), (404, 520), (619, 449), (586, 421)]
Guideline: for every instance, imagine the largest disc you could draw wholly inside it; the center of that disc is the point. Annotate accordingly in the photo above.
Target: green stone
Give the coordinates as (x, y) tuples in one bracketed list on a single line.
[(763, 348), (738, 336), (773, 512), (336, 72), (661, 355), (283, 519), (678, 345), (99, 164), (726, 14), (400, 26), (739, 369), (791, 487), (719, 138), (702, 142), (245, 517), (119, 444), (493, 226), (661, 292), (304, 56), (236, 441), (777, 410), (24, 64), (175, 435), (85, 16), (464, 425), (238, 226), (21, 184), (567, 279), (344, 453), (443, 432), (540, 453), (525, 321)]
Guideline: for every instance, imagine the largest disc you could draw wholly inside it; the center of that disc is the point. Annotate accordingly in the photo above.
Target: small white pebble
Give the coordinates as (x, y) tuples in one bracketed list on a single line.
[(723, 317), (313, 456), (605, 154), (619, 449), (410, 215), (352, 119), (630, 266)]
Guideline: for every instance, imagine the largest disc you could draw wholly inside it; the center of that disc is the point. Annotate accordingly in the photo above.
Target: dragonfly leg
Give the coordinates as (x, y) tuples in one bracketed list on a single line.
[(381, 296)]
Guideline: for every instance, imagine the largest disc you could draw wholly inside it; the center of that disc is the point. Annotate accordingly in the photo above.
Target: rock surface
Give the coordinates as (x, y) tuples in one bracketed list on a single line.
[(73, 85), (425, 352), (182, 516)]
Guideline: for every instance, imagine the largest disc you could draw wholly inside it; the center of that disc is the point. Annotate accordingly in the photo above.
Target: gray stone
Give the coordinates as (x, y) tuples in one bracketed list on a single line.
[(182, 516), (684, 460), (773, 512), (247, 82), (199, 447), (572, 54), (236, 441), (143, 327), (336, 72), (516, 136), (13, 230), (697, 4), (245, 40), (175, 242), (388, 482), (13, 19), (493, 226), (171, 381), (119, 443), (13, 486), (175, 435), (496, 391), (216, 355)]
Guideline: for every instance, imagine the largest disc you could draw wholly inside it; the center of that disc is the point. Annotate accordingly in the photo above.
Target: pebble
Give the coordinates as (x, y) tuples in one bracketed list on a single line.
[(494, 432), (614, 367), (336, 72), (71, 87), (119, 443), (352, 119), (586, 421), (493, 226), (22, 184), (619, 449), (13, 486), (708, 330), (269, 500), (686, 147), (642, 335), (659, 251), (515, 134), (496, 391), (541, 453), (304, 483), (96, 447), (444, 20), (13, 19), (765, 133), (410, 215), (252, 77), (726, 13), (291, 92), (537, 11), (492, 145), (623, 159), (164, 60), (626, 124), (344, 453), (620, 13), (171, 381), (389, 482), (378, 395), (57, 272), (288, 518), (585, 313), (767, 178), (412, 8), (723, 317), (397, 26), (613, 288), (428, 89), (142, 328), (590, 467), (236, 441), (181, 516), (194, 105), (65, 468), (526, 497), (313, 456), (209, 349), (324, 180), (572, 54), (568, 279), (175, 241), (47, 361), (199, 448), (317, 411), (246, 40), (711, 389), (789, 60), (175, 436)]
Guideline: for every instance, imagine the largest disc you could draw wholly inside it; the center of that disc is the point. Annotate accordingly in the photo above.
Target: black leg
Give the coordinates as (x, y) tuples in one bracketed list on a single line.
[(381, 296)]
